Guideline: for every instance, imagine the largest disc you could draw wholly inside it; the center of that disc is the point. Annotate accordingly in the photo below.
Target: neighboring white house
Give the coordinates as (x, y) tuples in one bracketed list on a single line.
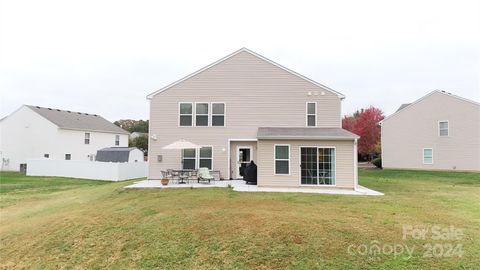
[(440, 131), (33, 132), (136, 134)]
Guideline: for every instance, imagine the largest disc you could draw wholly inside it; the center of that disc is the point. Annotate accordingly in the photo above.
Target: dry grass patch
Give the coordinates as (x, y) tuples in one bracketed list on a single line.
[(63, 223)]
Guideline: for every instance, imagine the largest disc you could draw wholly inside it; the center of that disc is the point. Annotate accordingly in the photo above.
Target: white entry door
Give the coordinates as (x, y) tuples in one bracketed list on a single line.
[(244, 157)]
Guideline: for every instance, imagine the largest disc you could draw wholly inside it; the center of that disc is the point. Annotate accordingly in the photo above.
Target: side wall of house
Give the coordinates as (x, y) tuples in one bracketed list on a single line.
[(406, 134), (255, 92), (344, 162), (25, 134), (73, 142)]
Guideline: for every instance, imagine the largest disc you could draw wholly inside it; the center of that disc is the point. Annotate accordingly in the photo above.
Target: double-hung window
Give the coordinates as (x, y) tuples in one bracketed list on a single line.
[(193, 158), (282, 159), (117, 140), (205, 157), (87, 138), (443, 128), (218, 114), (189, 158), (427, 156), (201, 114), (186, 114), (311, 114)]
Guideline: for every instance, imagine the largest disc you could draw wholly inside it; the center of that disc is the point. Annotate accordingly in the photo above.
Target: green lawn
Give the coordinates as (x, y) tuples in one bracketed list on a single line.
[(51, 223)]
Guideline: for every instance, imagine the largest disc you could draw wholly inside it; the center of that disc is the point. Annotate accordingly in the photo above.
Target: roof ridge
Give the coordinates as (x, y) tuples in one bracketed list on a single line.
[(62, 110)]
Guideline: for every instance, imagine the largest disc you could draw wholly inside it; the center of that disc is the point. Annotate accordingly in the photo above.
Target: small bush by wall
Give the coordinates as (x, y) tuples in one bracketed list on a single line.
[(377, 162)]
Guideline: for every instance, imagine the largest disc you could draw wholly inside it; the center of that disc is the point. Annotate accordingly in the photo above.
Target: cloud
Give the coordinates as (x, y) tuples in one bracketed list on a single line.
[(104, 57)]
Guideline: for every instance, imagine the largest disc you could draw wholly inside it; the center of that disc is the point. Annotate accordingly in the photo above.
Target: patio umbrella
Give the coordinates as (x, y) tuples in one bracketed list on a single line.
[(180, 144)]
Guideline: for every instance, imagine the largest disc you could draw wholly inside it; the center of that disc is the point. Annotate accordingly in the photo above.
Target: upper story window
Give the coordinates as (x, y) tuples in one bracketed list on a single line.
[(68, 156), (117, 140), (427, 156), (282, 159), (186, 114), (218, 114), (443, 128), (201, 114), (87, 138), (311, 114)]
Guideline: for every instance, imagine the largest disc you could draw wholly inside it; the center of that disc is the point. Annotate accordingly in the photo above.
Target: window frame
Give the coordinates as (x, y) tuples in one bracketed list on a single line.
[(86, 138), (194, 158), (423, 156), (275, 159), (310, 114), (117, 142), (199, 158), (180, 114), (216, 114), (334, 178), (194, 113), (448, 128)]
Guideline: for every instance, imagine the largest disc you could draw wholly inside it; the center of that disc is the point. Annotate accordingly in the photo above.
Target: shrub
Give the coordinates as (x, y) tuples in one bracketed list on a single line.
[(377, 162)]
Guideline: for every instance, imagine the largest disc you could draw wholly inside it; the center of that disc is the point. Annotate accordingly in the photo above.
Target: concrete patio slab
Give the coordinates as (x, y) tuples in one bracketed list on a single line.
[(240, 186)]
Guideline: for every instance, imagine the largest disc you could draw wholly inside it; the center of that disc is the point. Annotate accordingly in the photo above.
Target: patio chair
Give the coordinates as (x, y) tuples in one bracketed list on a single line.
[(193, 175), (204, 175), (174, 175)]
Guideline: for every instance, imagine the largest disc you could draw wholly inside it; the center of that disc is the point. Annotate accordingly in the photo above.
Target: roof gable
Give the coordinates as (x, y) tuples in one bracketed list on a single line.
[(77, 120), (341, 96), (406, 106)]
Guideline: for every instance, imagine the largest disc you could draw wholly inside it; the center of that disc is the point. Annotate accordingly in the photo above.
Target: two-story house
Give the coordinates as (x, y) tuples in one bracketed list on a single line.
[(439, 131), (245, 108), (33, 132)]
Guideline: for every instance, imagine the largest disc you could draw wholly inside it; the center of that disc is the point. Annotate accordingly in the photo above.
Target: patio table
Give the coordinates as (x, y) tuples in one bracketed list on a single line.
[(183, 175)]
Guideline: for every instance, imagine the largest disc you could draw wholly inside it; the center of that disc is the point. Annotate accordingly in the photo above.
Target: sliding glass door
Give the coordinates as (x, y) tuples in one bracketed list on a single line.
[(317, 165)]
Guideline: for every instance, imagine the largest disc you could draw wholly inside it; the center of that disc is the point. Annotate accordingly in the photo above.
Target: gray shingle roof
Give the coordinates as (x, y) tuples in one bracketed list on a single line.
[(305, 133), (403, 106), (77, 120), (114, 154)]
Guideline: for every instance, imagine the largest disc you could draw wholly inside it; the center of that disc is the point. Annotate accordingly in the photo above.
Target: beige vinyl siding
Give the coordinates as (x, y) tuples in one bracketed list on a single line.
[(344, 162), (255, 92), (407, 133)]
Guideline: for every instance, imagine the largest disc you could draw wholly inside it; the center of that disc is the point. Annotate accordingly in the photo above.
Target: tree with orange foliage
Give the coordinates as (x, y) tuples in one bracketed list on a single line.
[(366, 125)]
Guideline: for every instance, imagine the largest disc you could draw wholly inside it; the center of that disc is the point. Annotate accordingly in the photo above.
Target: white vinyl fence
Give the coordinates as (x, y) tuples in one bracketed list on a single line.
[(110, 171)]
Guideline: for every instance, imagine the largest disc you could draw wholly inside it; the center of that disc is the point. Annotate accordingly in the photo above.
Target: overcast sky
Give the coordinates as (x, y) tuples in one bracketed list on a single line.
[(104, 57)]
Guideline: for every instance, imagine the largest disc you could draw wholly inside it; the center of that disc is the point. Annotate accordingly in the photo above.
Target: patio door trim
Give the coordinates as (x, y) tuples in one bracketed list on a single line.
[(237, 161), (300, 165), (229, 142)]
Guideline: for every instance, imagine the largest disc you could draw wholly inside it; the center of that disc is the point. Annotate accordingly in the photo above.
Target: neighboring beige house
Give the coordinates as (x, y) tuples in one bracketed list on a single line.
[(440, 131), (33, 132), (245, 108)]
